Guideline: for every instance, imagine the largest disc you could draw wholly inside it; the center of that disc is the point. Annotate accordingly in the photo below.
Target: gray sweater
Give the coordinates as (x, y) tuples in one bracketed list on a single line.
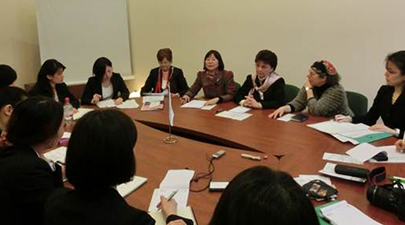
[(332, 102)]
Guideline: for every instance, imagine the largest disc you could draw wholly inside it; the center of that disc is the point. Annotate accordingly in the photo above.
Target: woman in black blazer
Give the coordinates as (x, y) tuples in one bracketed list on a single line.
[(95, 168), (105, 84), (265, 89), (27, 178), (159, 78), (389, 104), (50, 83)]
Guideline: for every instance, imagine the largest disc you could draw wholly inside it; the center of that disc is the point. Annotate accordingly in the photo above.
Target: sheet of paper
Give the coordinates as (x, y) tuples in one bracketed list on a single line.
[(329, 170), (126, 188), (239, 109), (303, 179), (333, 127), (340, 158), (58, 154), (177, 179), (342, 213), (66, 135), (129, 104), (208, 107), (345, 139), (153, 98), (81, 112), (196, 104), (286, 118), (234, 116), (363, 152), (185, 212), (358, 133), (393, 155), (181, 197), (106, 103)]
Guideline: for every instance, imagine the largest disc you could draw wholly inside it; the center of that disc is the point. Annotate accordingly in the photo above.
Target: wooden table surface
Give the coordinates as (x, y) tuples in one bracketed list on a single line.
[(301, 146)]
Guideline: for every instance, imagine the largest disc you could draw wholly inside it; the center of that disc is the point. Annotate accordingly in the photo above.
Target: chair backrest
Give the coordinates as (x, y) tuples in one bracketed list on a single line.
[(237, 86), (290, 92), (358, 103)]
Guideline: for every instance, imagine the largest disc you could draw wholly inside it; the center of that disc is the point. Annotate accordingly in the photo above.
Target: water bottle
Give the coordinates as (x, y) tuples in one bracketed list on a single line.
[(68, 111)]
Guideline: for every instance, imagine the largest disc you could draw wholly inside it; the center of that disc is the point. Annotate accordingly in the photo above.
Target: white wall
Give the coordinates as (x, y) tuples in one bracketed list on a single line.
[(355, 35)]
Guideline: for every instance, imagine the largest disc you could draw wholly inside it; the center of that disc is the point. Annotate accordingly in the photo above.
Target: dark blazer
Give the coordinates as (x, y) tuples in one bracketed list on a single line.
[(272, 98), (393, 115), (178, 83), (26, 181), (221, 85), (98, 206), (62, 91), (93, 86)]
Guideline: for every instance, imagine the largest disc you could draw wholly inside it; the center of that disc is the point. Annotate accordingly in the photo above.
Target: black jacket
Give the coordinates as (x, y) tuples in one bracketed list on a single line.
[(99, 206), (93, 86), (178, 83), (26, 181), (393, 115), (272, 98), (62, 91)]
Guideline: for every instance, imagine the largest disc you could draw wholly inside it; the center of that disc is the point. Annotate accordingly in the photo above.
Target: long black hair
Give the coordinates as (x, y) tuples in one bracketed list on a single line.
[(99, 67), (50, 67)]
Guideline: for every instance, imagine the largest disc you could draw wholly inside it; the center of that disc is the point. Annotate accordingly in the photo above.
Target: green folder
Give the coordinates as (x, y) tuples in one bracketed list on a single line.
[(372, 137)]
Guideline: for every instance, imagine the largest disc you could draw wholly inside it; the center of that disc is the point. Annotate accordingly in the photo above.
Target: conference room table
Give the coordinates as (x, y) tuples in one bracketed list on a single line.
[(288, 146)]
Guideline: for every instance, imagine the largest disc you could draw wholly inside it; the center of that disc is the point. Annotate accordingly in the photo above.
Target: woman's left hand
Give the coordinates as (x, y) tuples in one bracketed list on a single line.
[(382, 128), (251, 102), (118, 101), (212, 101)]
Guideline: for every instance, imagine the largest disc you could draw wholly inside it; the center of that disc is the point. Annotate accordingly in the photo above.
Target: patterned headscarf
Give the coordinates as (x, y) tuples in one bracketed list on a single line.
[(324, 68)]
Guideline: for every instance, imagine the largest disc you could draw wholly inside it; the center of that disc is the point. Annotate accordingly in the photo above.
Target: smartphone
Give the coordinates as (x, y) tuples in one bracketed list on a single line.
[(299, 118)]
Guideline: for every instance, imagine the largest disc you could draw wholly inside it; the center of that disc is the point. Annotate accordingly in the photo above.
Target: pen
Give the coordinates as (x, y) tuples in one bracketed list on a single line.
[(395, 178), (247, 156), (168, 198)]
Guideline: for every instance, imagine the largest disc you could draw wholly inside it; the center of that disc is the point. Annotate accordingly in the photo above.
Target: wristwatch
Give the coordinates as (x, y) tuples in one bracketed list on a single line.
[(308, 88)]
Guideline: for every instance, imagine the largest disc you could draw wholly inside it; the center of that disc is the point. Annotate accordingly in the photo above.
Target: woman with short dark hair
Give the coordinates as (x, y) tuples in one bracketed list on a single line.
[(105, 84), (7, 76), (265, 89), (27, 178), (217, 83), (389, 104), (161, 77), (50, 83), (100, 156), (321, 94), (259, 196)]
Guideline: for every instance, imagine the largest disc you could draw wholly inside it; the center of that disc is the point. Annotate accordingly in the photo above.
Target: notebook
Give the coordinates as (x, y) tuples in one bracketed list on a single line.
[(186, 212), (127, 188)]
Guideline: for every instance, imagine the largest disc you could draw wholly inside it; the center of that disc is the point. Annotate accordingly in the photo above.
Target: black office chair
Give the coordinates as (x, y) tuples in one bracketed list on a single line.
[(290, 92), (358, 103)]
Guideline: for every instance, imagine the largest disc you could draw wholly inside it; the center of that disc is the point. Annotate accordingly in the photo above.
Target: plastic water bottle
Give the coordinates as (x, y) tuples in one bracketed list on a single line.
[(68, 111)]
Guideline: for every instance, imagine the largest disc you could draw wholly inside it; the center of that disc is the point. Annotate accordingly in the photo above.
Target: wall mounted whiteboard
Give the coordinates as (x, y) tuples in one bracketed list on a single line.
[(77, 32)]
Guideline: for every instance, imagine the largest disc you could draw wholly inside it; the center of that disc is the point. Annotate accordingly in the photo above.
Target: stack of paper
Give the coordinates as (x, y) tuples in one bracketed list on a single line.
[(286, 117), (329, 170), (126, 188), (340, 158), (349, 132), (363, 152), (342, 213), (239, 109), (106, 103), (57, 155), (393, 155), (81, 112), (128, 104), (152, 103), (175, 180), (195, 104)]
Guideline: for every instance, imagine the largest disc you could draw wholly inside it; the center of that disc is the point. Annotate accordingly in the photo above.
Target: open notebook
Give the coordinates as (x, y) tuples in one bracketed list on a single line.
[(186, 212), (126, 188)]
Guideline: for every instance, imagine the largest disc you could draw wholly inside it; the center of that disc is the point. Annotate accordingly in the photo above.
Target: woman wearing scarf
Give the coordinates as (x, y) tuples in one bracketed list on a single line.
[(322, 94), (265, 89), (159, 78)]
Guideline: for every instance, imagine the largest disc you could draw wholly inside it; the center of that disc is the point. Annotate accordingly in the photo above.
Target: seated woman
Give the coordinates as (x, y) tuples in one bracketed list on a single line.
[(9, 97), (27, 178), (217, 83), (7, 76), (95, 168), (260, 196), (161, 77), (389, 104), (322, 94), (50, 83), (105, 84), (265, 89)]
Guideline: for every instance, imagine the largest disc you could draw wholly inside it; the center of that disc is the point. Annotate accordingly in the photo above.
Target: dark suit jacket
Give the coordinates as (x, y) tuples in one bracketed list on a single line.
[(26, 181), (62, 91), (178, 83), (272, 98), (93, 86), (393, 115), (98, 206), (221, 86)]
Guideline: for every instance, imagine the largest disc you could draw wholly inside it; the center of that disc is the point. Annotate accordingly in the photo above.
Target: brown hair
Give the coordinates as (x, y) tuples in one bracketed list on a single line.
[(164, 53)]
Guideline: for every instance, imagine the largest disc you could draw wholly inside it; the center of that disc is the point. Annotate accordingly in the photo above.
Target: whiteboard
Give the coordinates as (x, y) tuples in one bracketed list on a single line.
[(77, 32)]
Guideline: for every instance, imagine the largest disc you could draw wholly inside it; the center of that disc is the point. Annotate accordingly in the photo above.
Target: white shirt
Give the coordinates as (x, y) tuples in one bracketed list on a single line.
[(107, 91)]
